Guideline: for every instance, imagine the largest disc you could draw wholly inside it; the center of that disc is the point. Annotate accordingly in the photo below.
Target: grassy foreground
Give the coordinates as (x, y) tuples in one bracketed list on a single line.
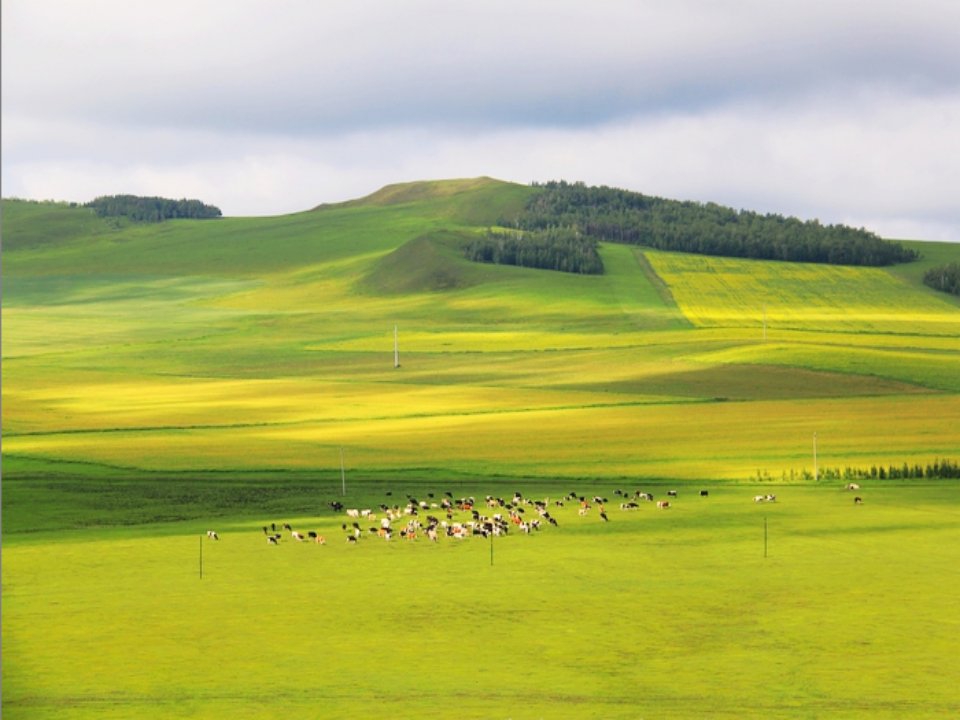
[(657, 613)]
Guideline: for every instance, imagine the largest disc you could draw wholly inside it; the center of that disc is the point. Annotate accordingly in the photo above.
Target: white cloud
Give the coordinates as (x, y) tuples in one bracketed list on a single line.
[(834, 109)]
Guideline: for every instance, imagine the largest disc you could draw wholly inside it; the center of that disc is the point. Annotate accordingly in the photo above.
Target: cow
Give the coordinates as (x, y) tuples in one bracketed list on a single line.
[(629, 506), (852, 486), (663, 504), (272, 540), (671, 493), (298, 536), (704, 493), (858, 500), (353, 512), (212, 534), (321, 540)]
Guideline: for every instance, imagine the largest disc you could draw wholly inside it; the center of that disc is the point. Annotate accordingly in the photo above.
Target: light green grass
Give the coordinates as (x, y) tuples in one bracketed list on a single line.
[(656, 614)]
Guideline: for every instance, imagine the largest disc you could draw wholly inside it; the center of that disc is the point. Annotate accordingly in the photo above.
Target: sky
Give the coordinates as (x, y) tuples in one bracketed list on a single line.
[(847, 111)]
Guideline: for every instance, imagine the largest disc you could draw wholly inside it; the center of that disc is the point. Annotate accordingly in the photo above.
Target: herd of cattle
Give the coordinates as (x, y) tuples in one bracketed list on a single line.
[(464, 517)]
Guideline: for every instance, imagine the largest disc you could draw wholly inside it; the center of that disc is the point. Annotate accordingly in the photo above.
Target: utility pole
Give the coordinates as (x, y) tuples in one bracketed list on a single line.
[(815, 474), (396, 349)]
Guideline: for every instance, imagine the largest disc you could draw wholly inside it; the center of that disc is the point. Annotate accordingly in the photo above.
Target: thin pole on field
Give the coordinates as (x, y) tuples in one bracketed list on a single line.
[(201, 557), (396, 349), (343, 474), (815, 474)]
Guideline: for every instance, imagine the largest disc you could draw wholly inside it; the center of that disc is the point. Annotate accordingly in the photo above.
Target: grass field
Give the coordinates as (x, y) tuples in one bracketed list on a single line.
[(162, 380), (658, 613)]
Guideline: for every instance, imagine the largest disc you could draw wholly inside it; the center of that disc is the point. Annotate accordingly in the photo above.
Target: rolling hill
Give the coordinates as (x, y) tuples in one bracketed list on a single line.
[(265, 345)]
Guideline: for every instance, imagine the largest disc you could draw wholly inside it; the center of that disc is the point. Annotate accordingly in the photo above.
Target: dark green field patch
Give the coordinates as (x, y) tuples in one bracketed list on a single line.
[(755, 382)]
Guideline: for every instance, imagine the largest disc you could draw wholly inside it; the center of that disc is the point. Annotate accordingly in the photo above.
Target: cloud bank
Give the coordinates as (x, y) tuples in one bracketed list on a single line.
[(842, 111)]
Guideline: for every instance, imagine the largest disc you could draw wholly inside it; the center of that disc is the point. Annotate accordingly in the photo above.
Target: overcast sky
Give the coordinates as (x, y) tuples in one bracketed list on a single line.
[(842, 110)]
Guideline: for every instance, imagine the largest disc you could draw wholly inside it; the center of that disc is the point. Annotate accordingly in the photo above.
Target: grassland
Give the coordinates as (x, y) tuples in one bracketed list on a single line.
[(158, 380), (672, 613)]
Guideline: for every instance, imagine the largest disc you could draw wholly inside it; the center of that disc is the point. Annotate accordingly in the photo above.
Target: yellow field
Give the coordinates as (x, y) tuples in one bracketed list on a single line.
[(725, 292)]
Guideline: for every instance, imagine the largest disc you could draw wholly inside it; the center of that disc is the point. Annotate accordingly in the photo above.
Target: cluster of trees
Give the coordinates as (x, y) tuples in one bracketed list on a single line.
[(151, 209), (945, 278), (937, 470), (562, 249), (613, 215)]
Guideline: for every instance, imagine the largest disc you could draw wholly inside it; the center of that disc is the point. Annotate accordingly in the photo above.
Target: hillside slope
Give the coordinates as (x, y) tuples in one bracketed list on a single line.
[(264, 345)]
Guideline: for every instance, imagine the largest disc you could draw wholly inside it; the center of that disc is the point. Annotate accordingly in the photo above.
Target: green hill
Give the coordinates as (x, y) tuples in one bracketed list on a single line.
[(265, 345)]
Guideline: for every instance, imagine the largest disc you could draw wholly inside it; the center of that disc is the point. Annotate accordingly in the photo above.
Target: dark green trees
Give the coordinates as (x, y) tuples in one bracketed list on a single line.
[(945, 278), (612, 215), (151, 209), (562, 249)]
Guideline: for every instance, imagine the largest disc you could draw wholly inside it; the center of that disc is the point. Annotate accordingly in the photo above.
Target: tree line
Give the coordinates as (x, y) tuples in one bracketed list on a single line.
[(563, 249), (945, 278), (151, 209), (612, 215), (936, 470)]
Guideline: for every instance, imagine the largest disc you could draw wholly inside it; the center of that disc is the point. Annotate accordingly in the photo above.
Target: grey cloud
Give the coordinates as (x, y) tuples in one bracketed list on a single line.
[(334, 66), (841, 110)]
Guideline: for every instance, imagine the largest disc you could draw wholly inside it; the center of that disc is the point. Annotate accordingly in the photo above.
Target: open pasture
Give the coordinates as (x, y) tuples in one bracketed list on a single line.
[(656, 613)]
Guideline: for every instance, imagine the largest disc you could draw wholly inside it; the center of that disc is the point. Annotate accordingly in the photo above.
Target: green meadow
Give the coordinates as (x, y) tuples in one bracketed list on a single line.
[(163, 380)]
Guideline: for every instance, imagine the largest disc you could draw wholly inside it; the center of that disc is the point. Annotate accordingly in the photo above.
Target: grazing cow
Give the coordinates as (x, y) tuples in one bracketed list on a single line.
[(298, 536), (272, 540), (353, 512), (286, 526), (432, 533), (663, 504), (212, 534), (759, 498), (858, 500), (351, 539), (853, 486), (336, 505), (603, 516), (671, 493), (321, 540), (704, 493), (629, 506)]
